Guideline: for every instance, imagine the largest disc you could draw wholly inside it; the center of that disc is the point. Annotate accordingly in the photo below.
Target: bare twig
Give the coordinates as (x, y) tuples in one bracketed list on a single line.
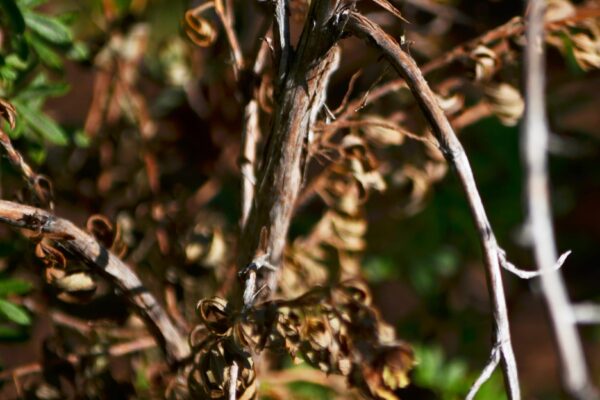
[(455, 154), (486, 373), (535, 145), (586, 313), (233, 377), (524, 274), (226, 17), (282, 43), (39, 185), (104, 263)]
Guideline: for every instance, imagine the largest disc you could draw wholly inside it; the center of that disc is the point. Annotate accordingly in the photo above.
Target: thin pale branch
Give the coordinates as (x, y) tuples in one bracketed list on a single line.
[(104, 263), (586, 313), (455, 154), (535, 154), (233, 377), (486, 373), (524, 274)]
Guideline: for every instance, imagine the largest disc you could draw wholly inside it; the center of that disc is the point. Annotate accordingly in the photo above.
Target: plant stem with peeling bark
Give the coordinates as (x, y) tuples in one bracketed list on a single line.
[(302, 91), (455, 154)]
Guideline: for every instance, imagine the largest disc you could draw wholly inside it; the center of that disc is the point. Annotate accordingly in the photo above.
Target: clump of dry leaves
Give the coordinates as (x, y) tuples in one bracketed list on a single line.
[(334, 328)]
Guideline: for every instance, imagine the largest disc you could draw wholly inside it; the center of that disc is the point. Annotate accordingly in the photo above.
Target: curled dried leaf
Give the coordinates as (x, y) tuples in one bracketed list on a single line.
[(50, 256), (214, 314), (586, 49), (206, 246), (451, 104), (558, 9), (8, 112), (76, 282), (210, 375), (200, 31), (506, 102), (102, 229), (381, 131), (486, 62)]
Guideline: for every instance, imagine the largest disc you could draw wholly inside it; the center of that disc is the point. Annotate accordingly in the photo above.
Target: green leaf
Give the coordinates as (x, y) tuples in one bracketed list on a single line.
[(45, 53), (78, 52), (42, 125), (41, 88), (81, 139), (13, 286), (36, 153), (49, 28), (15, 61), (14, 312), (13, 15)]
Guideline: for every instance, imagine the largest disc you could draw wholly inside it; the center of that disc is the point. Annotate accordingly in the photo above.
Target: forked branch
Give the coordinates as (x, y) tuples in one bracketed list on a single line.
[(456, 156)]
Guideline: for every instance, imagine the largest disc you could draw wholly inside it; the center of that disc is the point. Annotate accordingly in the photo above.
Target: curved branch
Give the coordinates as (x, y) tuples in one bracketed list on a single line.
[(104, 263), (456, 156)]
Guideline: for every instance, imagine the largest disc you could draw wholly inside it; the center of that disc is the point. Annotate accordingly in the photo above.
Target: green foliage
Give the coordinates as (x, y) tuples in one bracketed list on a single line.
[(11, 313), (451, 379), (36, 45), (14, 313)]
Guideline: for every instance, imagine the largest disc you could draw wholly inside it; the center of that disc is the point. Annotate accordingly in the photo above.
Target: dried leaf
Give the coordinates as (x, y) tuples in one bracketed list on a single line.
[(381, 131), (486, 62), (76, 282), (200, 31), (506, 102), (8, 112)]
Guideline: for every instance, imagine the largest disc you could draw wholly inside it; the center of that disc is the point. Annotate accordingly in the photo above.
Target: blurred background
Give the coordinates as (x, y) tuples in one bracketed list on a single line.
[(129, 118)]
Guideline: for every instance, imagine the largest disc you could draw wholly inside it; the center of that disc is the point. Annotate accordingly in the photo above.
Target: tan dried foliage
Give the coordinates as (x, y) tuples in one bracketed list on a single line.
[(335, 329), (581, 39)]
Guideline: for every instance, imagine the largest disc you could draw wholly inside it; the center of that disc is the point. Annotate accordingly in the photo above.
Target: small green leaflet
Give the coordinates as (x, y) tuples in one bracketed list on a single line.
[(14, 313), (42, 125), (51, 29)]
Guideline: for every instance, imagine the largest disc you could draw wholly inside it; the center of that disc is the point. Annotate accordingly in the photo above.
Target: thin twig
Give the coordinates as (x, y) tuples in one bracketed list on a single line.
[(524, 274), (535, 145), (39, 185), (233, 377), (455, 154), (586, 313), (104, 263), (486, 373), (226, 17), (282, 42)]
